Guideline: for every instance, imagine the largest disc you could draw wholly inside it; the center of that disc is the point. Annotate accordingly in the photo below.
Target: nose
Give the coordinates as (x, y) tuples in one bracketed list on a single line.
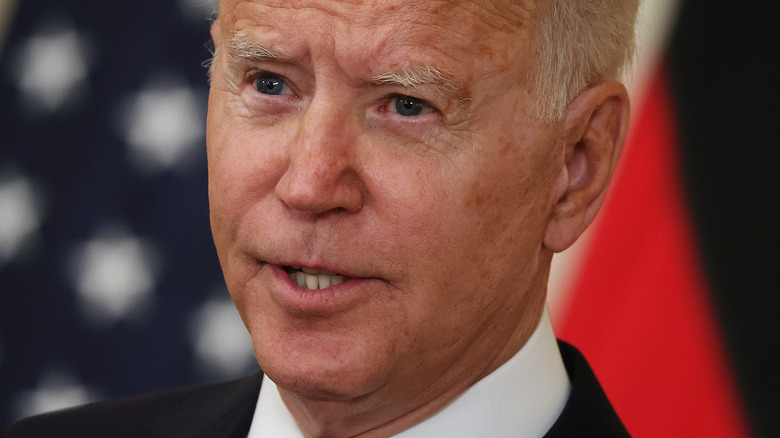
[(320, 176)]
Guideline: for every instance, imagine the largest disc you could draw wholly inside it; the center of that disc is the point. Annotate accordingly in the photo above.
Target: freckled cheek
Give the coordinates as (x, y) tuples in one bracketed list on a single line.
[(507, 193), (244, 165), (408, 199)]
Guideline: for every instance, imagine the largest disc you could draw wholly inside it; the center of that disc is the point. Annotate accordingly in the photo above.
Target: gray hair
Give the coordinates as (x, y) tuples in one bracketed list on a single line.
[(581, 43)]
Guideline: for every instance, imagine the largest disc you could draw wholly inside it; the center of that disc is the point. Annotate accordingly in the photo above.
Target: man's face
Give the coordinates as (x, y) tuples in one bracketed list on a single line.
[(389, 145)]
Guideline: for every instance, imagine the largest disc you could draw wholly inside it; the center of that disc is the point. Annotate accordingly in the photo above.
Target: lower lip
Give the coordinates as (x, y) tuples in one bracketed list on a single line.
[(333, 299)]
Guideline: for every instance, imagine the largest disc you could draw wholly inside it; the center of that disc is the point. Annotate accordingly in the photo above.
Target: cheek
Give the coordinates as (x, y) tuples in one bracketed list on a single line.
[(244, 164), (497, 210)]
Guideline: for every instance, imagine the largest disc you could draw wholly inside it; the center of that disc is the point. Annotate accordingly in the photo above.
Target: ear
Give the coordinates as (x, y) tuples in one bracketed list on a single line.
[(216, 40), (595, 129), (216, 31)]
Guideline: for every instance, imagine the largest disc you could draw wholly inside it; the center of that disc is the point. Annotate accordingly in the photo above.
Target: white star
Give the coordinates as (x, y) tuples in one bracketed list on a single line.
[(114, 276), (222, 343), (21, 206), (51, 68), (163, 125), (56, 390)]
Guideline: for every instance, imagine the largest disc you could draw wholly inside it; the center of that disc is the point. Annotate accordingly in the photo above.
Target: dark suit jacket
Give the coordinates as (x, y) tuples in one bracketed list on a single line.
[(226, 410)]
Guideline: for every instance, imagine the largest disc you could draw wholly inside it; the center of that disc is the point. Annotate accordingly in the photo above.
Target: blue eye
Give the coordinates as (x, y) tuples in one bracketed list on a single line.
[(409, 106), (270, 84)]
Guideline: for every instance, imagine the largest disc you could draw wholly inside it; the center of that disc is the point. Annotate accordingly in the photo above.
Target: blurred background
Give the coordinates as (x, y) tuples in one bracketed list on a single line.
[(110, 285)]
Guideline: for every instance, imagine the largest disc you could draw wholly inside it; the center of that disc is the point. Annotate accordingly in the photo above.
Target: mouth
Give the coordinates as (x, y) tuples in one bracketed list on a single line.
[(313, 279)]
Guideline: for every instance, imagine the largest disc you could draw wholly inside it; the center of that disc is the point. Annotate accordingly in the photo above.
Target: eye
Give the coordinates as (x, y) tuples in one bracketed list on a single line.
[(271, 84), (410, 106)]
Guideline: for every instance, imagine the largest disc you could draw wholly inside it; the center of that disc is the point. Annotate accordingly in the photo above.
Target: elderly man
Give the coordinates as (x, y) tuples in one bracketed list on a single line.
[(388, 182)]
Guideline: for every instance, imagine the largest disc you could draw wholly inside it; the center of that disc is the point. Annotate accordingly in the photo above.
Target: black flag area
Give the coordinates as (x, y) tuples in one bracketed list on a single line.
[(726, 95)]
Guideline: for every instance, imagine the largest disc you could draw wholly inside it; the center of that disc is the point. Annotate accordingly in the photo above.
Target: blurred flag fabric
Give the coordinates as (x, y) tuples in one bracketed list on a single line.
[(110, 286), (109, 282), (673, 301)]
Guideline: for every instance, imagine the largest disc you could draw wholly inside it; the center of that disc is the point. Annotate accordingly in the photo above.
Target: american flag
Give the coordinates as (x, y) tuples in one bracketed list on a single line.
[(109, 282)]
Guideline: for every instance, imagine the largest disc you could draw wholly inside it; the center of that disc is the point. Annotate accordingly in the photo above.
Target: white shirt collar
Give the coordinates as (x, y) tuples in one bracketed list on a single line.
[(522, 397)]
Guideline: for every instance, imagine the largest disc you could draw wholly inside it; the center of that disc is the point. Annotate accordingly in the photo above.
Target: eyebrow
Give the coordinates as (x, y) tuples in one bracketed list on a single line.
[(243, 47), (411, 77)]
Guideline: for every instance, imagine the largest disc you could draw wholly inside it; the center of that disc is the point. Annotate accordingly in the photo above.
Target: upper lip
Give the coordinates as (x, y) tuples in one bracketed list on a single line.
[(330, 270), (308, 270)]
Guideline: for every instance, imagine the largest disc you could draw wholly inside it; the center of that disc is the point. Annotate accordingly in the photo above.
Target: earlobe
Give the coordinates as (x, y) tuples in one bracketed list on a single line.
[(595, 129)]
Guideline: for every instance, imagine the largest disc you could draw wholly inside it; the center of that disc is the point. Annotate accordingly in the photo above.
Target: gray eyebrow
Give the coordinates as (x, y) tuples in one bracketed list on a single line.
[(410, 77), (243, 47)]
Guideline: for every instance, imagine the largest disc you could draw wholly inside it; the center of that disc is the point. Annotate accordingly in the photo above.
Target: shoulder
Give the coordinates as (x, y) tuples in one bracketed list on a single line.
[(217, 409), (588, 411)]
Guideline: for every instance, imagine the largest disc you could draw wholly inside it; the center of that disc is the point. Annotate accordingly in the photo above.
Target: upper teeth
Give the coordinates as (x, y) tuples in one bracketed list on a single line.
[(314, 278)]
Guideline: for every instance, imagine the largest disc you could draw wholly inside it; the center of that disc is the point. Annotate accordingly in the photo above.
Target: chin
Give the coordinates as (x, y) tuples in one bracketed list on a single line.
[(323, 369)]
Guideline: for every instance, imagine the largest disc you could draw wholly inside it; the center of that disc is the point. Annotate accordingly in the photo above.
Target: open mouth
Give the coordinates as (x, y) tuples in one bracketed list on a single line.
[(313, 278)]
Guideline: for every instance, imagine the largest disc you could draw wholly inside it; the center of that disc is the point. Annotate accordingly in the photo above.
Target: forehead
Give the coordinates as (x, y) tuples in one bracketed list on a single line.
[(493, 29), (497, 14)]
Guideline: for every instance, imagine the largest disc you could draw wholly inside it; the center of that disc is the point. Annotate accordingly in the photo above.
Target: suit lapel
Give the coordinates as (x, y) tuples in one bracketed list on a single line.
[(221, 410), (588, 411)]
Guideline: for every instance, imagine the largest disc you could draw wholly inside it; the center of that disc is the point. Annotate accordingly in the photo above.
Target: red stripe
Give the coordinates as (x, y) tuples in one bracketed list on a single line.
[(641, 312)]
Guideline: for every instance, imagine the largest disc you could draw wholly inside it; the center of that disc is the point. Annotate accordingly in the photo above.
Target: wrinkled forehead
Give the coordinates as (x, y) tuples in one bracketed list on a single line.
[(486, 36), (453, 15)]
